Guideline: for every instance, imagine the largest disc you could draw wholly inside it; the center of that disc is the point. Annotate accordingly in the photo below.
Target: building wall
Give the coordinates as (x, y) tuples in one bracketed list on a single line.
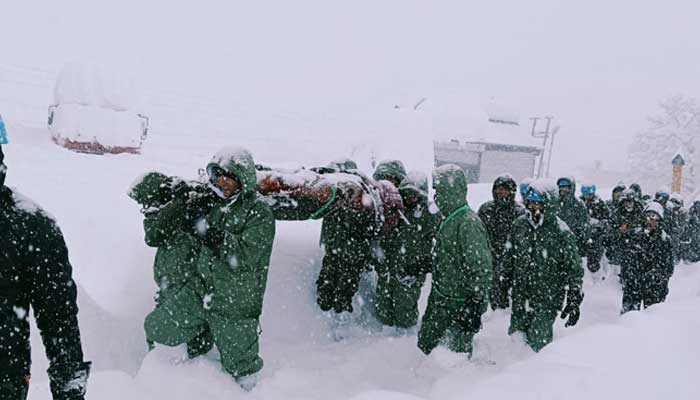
[(520, 164)]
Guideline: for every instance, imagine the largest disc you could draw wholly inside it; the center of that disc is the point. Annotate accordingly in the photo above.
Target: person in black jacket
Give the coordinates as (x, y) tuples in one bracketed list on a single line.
[(498, 215), (648, 264), (599, 221), (35, 272)]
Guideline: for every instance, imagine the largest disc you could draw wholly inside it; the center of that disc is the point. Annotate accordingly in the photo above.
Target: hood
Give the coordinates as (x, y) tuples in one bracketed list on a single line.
[(509, 182), (415, 184), (450, 184), (637, 189), (573, 184), (656, 208), (3, 168), (343, 165), (237, 162), (391, 170), (550, 209)]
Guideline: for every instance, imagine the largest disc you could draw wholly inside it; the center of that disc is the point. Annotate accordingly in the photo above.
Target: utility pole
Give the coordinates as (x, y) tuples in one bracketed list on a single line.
[(551, 146), (545, 136)]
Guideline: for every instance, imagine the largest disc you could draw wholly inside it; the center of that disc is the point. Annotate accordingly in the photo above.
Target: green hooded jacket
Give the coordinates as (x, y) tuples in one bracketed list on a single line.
[(235, 272), (541, 263), (572, 211), (390, 170), (165, 225), (417, 234), (462, 258)]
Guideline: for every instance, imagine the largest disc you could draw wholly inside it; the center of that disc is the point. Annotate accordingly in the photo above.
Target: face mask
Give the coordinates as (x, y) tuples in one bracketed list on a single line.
[(535, 215)]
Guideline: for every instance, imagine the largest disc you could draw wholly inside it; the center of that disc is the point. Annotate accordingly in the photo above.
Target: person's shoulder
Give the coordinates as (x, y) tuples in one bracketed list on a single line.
[(486, 207), (260, 208)]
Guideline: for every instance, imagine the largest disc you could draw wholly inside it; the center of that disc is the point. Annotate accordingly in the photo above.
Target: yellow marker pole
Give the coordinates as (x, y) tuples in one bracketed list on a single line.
[(678, 162)]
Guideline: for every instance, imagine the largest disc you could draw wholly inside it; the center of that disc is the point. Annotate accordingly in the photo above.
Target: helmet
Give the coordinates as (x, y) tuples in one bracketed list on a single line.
[(588, 190), (535, 196), (564, 182)]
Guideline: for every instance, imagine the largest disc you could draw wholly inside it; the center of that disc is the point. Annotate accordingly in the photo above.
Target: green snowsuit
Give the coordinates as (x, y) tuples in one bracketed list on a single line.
[(647, 269), (497, 216), (540, 265), (461, 268), (407, 257), (693, 250), (572, 211), (232, 267), (347, 232)]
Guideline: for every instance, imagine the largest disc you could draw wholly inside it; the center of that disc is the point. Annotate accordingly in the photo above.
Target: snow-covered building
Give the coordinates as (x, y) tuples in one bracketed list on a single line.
[(93, 111), (486, 142)]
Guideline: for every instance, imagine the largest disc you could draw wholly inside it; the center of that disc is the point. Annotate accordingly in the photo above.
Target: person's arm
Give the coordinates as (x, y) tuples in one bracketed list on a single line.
[(161, 225), (53, 299), (246, 244), (571, 264), (477, 258)]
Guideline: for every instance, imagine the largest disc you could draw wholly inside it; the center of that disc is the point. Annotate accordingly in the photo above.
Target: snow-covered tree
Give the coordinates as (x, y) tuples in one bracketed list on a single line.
[(676, 129)]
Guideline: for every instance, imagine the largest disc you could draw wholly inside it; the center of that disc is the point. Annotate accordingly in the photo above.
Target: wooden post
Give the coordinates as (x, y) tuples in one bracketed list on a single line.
[(678, 162)]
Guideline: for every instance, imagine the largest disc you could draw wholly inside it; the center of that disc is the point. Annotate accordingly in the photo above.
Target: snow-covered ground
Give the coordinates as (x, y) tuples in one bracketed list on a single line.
[(646, 355)]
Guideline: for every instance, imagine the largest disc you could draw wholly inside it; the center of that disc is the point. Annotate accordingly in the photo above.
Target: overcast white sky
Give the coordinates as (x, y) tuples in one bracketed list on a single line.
[(599, 66)]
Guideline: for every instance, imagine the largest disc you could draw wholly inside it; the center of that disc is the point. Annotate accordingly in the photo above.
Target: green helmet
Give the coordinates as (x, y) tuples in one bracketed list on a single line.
[(153, 188)]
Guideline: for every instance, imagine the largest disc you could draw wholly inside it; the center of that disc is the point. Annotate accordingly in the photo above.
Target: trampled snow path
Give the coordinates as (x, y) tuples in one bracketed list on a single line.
[(647, 355)]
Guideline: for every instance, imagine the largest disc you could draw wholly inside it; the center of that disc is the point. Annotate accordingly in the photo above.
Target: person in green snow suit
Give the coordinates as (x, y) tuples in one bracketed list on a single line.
[(348, 231), (693, 250), (167, 208), (350, 225), (498, 215), (572, 211), (461, 268), (232, 265), (541, 267), (407, 257), (648, 262)]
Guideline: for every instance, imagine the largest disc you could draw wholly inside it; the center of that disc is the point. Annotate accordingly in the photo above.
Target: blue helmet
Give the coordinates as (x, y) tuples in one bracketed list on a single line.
[(523, 187), (535, 196), (588, 190)]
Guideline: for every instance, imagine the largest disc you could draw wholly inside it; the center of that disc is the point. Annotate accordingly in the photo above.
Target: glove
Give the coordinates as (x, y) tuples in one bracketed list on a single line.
[(213, 238), (69, 380), (572, 309)]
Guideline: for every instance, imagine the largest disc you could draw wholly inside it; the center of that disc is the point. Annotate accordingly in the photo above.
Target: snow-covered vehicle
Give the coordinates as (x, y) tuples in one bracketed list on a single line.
[(93, 112)]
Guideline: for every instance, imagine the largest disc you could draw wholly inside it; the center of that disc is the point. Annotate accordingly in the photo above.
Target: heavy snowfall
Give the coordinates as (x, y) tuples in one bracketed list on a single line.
[(303, 85)]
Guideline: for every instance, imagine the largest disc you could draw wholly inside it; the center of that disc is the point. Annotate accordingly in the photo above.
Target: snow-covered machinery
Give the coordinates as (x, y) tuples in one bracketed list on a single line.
[(93, 112)]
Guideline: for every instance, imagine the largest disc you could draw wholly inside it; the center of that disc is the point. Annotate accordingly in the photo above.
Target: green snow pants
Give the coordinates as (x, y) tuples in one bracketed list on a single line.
[(338, 282), (181, 319), (537, 325), (450, 322), (397, 299)]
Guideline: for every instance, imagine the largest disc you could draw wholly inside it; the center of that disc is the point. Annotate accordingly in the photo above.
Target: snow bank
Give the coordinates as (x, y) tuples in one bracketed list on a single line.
[(114, 267)]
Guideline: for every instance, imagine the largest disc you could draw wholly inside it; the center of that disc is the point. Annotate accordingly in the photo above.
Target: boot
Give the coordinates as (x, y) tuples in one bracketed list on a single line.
[(247, 382), (341, 325)]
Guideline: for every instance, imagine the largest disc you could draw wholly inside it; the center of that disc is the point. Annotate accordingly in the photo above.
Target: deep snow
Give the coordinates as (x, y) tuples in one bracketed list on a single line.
[(646, 355)]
